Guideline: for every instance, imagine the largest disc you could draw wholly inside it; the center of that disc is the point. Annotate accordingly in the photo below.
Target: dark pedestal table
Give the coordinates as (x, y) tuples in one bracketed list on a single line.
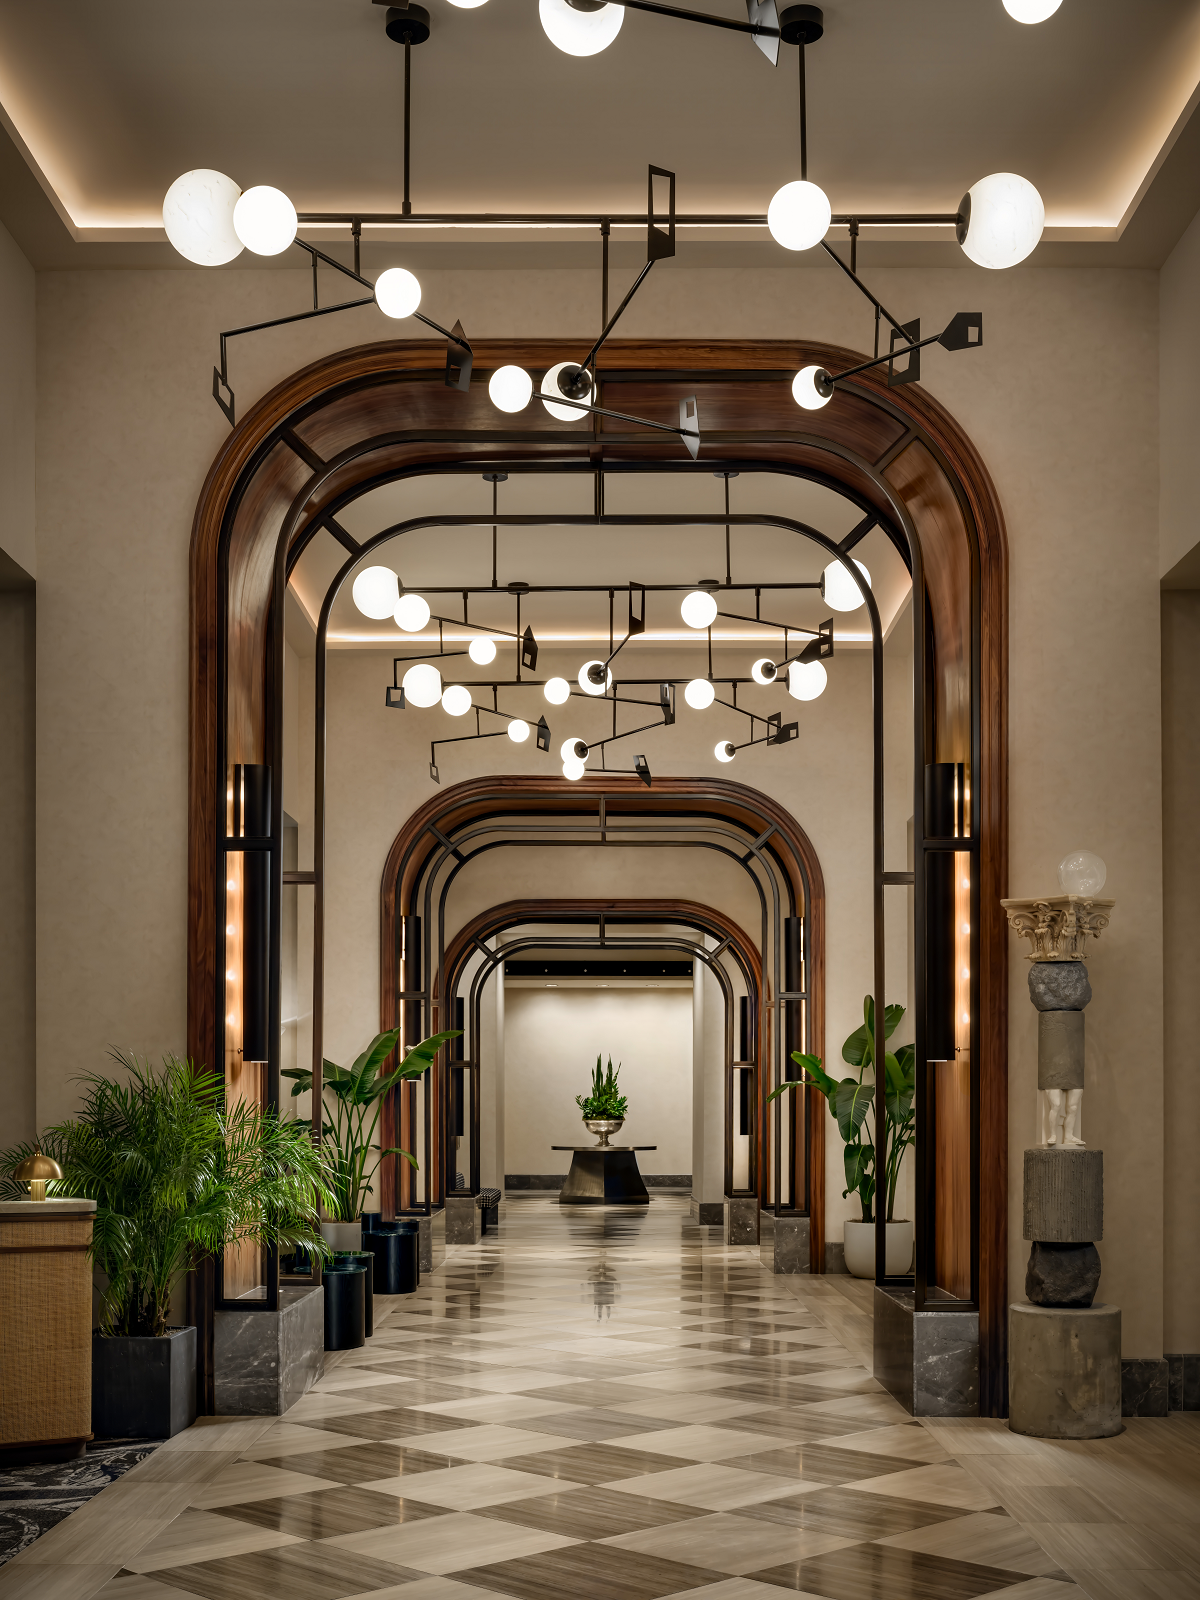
[(604, 1175)]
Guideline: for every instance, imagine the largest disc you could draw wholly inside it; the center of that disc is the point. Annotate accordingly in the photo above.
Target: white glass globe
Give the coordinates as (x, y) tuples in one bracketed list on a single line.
[(574, 770), (805, 391), (568, 749), (764, 670), (699, 609), (841, 592), (586, 684), (509, 388), (799, 215), (807, 679), (1082, 872), (549, 384), (376, 591), (557, 691), (467, 5), (699, 694), (456, 700), (411, 613), (1006, 221), (518, 728), (423, 685), (198, 216), (580, 33), (264, 219), (482, 651), (397, 292), (724, 751), (1031, 10)]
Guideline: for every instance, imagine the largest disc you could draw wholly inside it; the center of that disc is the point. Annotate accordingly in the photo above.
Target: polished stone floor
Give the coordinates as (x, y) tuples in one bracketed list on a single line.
[(610, 1404)]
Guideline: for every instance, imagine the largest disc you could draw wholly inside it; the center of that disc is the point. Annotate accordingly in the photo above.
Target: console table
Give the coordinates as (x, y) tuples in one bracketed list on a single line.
[(604, 1175)]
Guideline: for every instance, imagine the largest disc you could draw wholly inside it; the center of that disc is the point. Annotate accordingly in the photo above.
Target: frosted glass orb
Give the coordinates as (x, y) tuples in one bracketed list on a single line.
[(841, 591), (549, 384), (397, 292), (573, 749), (1025, 10), (509, 388), (574, 770), (1082, 872), (586, 684), (724, 751), (1006, 220), (423, 685), (264, 219), (557, 691), (198, 216), (699, 609), (807, 679), (456, 700), (799, 215), (699, 694), (764, 670), (376, 591), (412, 613), (482, 651), (518, 728), (467, 5), (812, 388), (580, 33)]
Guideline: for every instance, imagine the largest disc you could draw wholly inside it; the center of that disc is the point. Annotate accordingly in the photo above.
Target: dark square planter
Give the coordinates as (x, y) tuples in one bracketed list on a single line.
[(144, 1388)]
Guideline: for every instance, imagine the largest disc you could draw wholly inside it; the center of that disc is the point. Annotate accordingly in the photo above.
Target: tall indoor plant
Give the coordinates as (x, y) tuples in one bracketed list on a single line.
[(851, 1100)]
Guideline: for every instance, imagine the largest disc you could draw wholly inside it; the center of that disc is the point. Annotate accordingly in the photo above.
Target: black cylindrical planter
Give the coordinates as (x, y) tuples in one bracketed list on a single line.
[(345, 1304), (396, 1248), (368, 1265)]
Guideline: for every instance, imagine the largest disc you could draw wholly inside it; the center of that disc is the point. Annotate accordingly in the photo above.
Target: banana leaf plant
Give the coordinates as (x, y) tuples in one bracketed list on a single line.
[(355, 1094), (851, 1099)]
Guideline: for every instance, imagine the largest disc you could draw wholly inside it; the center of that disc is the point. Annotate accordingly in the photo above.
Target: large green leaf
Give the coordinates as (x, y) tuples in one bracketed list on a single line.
[(420, 1058), (858, 1167), (851, 1106), (857, 1050)]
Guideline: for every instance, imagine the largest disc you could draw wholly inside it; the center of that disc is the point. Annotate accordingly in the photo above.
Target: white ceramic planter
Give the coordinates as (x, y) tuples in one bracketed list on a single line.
[(342, 1235), (859, 1240)]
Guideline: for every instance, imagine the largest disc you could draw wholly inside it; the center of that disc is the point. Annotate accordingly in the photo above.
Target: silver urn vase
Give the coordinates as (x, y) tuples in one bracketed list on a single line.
[(603, 1128)]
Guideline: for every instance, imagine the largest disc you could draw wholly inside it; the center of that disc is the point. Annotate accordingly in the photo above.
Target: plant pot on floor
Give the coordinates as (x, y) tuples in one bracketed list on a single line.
[(368, 1262), (859, 1240), (144, 1388), (396, 1249), (343, 1235), (345, 1283)]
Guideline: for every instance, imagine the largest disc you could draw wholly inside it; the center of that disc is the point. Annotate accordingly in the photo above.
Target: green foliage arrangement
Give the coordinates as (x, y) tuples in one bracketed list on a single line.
[(177, 1175), (605, 1100), (852, 1098), (354, 1094)]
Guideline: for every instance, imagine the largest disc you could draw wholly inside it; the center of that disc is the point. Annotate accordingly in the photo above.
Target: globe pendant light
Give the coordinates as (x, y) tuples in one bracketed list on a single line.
[(585, 682), (482, 651), (456, 700), (1031, 10), (724, 751), (376, 592), (411, 613), (549, 385), (764, 671), (423, 685), (557, 691), (699, 694), (264, 219), (574, 770), (397, 292), (806, 679), (1001, 219), (518, 730), (698, 609), (510, 388), (841, 591), (799, 215), (812, 388), (1083, 872), (582, 29), (573, 749), (198, 216)]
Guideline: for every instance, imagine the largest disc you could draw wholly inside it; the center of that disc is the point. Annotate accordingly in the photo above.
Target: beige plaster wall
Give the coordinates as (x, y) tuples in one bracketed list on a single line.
[(17, 881), (1179, 372), (18, 388)]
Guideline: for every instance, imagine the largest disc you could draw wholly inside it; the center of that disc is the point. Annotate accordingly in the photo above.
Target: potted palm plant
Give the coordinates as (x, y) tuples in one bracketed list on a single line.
[(851, 1100), (177, 1175), (355, 1097), (604, 1109)]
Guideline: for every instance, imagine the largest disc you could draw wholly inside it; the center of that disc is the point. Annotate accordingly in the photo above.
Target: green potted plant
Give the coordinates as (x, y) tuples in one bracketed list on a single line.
[(851, 1100), (177, 1176), (604, 1109), (355, 1097)]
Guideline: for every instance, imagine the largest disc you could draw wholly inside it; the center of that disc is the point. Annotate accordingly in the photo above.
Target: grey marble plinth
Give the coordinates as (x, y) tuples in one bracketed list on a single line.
[(1064, 1195), (464, 1220), (1059, 985), (431, 1232), (1145, 1387), (707, 1213), (265, 1360), (1060, 1049), (1064, 1371), (783, 1243), (741, 1219), (928, 1360)]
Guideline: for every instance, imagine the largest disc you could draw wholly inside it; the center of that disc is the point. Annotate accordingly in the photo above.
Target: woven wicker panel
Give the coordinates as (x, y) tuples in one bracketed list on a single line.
[(45, 1331)]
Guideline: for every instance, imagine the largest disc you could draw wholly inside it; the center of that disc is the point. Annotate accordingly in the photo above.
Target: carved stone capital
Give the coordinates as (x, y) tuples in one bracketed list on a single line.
[(1058, 926)]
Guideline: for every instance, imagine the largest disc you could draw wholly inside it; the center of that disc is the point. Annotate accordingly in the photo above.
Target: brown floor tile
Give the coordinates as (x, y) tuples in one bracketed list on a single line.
[(298, 1571), (582, 1513), (325, 1512), (383, 1425), (857, 1516), (821, 1463), (589, 1393), (875, 1572), (593, 1463), (363, 1463), (598, 1424), (804, 1425), (597, 1571)]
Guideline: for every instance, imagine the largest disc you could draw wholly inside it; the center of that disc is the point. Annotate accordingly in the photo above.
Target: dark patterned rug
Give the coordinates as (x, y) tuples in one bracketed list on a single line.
[(34, 1498)]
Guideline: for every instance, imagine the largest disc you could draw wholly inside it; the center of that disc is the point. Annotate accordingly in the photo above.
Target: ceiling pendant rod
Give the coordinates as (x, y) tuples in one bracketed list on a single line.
[(407, 203), (803, 117)]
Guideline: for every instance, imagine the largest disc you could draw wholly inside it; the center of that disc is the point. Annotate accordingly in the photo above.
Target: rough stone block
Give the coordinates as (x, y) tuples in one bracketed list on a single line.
[(741, 1220), (1060, 1049), (464, 1224), (1064, 1195), (1059, 985), (1064, 1372), (1062, 1274), (783, 1243)]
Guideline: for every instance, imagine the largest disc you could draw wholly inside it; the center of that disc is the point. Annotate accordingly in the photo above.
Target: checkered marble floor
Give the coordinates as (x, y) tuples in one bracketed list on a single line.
[(607, 1404)]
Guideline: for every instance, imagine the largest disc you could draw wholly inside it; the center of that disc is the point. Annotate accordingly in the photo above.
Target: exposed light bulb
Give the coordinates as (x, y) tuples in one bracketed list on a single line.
[(456, 700), (807, 679), (198, 216), (799, 215), (580, 33), (264, 219), (411, 613), (376, 592), (724, 751), (510, 388), (397, 292), (812, 388), (574, 770), (230, 883), (482, 651), (549, 385), (1001, 220), (518, 728), (423, 685), (764, 670), (586, 684), (557, 691), (468, 5), (1031, 10), (573, 750), (841, 591), (698, 609), (699, 694)]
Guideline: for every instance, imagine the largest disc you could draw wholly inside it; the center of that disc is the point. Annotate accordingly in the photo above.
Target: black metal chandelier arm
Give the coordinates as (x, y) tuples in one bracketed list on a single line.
[(619, 416), (780, 627), (729, 23), (878, 361), (862, 288), (598, 744), (615, 318), (637, 219)]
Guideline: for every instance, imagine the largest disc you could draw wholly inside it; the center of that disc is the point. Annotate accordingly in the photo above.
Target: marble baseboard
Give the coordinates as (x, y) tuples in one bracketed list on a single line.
[(708, 1213), (784, 1243), (1183, 1383), (835, 1259), (928, 1360), (431, 1241), (740, 1219), (265, 1360), (539, 1181), (1145, 1387)]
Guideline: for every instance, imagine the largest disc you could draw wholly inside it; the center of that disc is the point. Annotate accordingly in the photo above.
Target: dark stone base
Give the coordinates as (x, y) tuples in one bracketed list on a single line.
[(1144, 1388), (144, 1388), (603, 1178), (1065, 1275), (708, 1213), (1183, 1383), (783, 1242), (928, 1360), (835, 1259), (519, 1181)]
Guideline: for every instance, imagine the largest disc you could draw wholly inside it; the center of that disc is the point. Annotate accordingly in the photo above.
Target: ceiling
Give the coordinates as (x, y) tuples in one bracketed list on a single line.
[(910, 102)]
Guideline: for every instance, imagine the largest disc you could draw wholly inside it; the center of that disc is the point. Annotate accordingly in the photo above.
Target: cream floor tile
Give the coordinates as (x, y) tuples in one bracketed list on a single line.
[(430, 1589), (466, 1488), (1038, 1589), (343, 1404), (905, 1440), (982, 1537), (1001, 1473), (946, 1485), (140, 1586), (497, 1408), (514, 1380), (731, 1589), (450, 1544), (729, 1543), (344, 1379), (682, 1380), (706, 1443), (984, 1436), (291, 1439), (193, 1467), (699, 1407), (49, 1581), (204, 1536), (247, 1480), (113, 1526), (488, 1442), (219, 1433), (877, 1408), (1108, 1546), (710, 1486), (1131, 1584)]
